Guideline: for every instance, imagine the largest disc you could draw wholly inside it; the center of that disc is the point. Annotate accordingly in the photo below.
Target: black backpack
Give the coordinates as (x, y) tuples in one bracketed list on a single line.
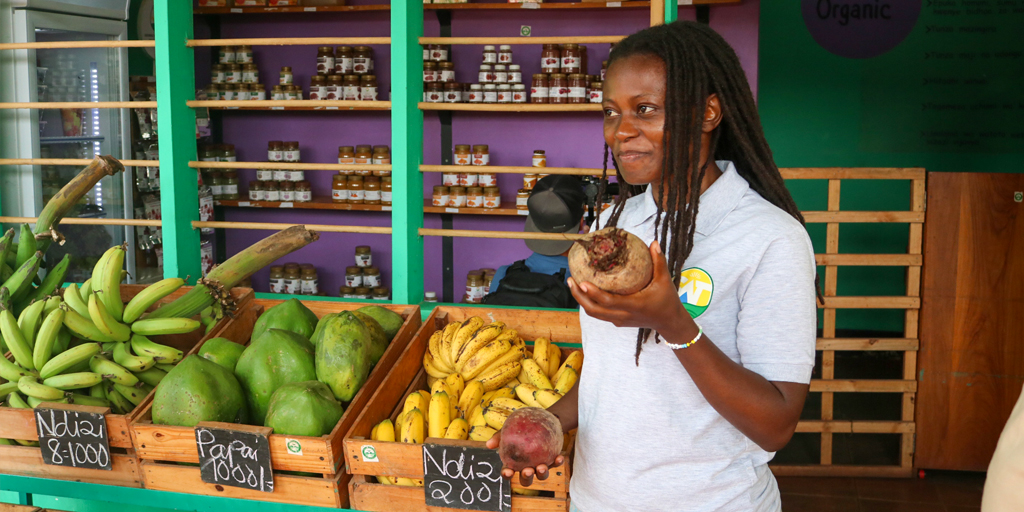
[(521, 287)]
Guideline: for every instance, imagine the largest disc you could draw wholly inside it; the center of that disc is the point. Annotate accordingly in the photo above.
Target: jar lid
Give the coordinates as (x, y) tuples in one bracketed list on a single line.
[(345, 149), (381, 291), (362, 48), (513, 67), (355, 179), (369, 78), (453, 86), (475, 273), (475, 190), (345, 49), (457, 190), (291, 144), (485, 67), (499, 67), (540, 76), (506, 47), (329, 49), (492, 190), (227, 48), (475, 87), (523, 191), (276, 268), (380, 149), (362, 249), (447, 65), (371, 270), (488, 47), (286, 68), (596, 85), (362, 290), (480, 147), (505, 87), (309, 272), (346, 290), (558, 75), (462, 146), (577, 76), (287, 185), (364, 147), (440, 189), (385, 179), (490, 86), (429, 64), (430, 295), (354, 270), (334, 79), (571, 45)]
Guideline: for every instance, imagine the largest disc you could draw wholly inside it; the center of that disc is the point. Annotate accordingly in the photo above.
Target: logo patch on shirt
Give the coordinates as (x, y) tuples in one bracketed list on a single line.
[(695, 290)]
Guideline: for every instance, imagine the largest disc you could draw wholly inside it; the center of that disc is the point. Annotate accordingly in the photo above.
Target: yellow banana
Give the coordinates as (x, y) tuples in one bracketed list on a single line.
[(434, 347), (373, 432), (83, 327), (440, 386), (476, 417), (510, 335), (541, 355), (69, 381), (574, 360), (112, 371), (430, 366), (29, 321), (412, 431), (513, 383), (32, 388), (496, 416), (536, 374), (149, 296), (109, 290), (426, 398), (70, 358), (525, 492), (554, 359), (74, 300), (47, 337), (416, 401), (143, 346), (151, 327), (483, 358), (463, 335), (399, 425), (105, 322), (15, 340), (444, 349), (498, 377), (52, 303), (385, 431), (508, 403), (409, 482), (525, 393), (482, 433), (457, 429), (92, 401), (123, 356), (470, 397), (439, 414), (497, 393), (431, 381), (481, 337), (566, 380), (546, 397), (457, 385)]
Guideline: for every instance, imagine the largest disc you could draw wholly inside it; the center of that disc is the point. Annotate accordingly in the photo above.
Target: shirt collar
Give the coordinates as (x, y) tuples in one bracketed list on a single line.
[(716, 202)]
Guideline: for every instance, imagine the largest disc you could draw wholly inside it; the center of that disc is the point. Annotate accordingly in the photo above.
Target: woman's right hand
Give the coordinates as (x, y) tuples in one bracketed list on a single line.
[(527, 474)]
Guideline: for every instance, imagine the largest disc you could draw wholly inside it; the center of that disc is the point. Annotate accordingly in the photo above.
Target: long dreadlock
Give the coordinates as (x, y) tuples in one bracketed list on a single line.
[(698, 63)]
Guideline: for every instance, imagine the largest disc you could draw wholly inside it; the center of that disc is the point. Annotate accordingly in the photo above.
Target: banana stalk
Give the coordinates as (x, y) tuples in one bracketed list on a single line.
[(62, 202)]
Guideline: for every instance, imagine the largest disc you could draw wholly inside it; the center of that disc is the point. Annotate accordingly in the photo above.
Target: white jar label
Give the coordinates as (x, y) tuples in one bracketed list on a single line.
[(332, 92), (475, 97), (360, 65), (577, 92), (518, 96), (505, 57), (249, 77), (229, 95), (596, 96), (549, 64), (440, 55), (364, 260), (205, 208), (233, 77), (218, 77), (292, 286), (324, 64), (484, 77), (469, 180), (291, 156), (351, 92), (539, 92), (278, 96), (218, 190), (570, 63), (504, 97), (447, 75), (277, 285), (440, 200), (343, 66), (559, 92), (353, 281), (487, 180), (500, 77), (264, 174), (368, 93), (255, 195), (355, 195), (452, 97), (230, 190), (371, 281), (286, 78), (456, 201), (481, 159), (339, 195), (522, 201), (429, 76), (304, 196), (309, 287), (385, 196), (490, 96), (227, 57), (287, 195), (259, 95), (371, 195), (490, 58), (451, 179), (474, 201), (242, 95), (272, 195)]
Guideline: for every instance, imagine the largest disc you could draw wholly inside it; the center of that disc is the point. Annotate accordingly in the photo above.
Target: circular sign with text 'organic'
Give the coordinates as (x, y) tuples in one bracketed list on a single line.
[(860, 29)]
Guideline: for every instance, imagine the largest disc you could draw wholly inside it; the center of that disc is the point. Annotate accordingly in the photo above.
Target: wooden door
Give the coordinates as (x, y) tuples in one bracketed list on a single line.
[(971, 360)]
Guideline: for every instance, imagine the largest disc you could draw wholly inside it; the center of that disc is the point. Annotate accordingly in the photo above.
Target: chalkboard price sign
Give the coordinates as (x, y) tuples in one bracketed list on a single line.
[(457, 474), (73, 436), (235, 455)]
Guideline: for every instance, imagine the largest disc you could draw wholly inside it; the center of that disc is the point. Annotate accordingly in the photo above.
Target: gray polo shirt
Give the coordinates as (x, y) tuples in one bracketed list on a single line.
[(648, 440)]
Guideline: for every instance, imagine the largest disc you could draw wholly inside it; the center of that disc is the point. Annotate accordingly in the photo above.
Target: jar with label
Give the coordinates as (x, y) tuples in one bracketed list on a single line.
[(325, 60), (492, 197), (217, 74), (243, 93), (286, 77), (255, 190), (364, 292), (356, 194), (518, 93), (381, 156), (385, 191), (481, 155), (243, 54), (515, 75), (450, 179), (368, 88), (343, 60), (297, 175), (292, 280), (347, 292), (227, 153), (371, 191), (291, 152), (346, 156), (490, 93), (550, 59), (505, 54), (362, 60), (468, 179), (446, 72), (529, 181), (287, 191), (463, 155), (229, 186), (250, 74), (504, 93), (282, 175), (303, 192), (350, 88), (476, 93), (539, 88), (310, 282), (381, 293), (318, 87), (570, 58), (364, 156), (486, 74), (371, 277), (277, 279), (265, 174), (353, 277), (490, 56), (334, 87), (441, 196), (474, 197), (271, 192), (430, 72), (294, 92), (364, 256), (539, 158), (558, 91), (226, 55), (521, 199), (577, 88), (452, 93), (277, 93), (233, 74), (435, 92), (257, 92), (500, 74), (429, 297), (487, 179), (474, 288), (213, 92), (596, 92), (339, 189), (457, 197), (438, 52), (217, 185)]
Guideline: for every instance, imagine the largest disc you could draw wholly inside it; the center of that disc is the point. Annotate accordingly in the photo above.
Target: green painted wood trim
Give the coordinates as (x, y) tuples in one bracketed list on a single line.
[(407, 152), (175, 84), (671, 11)]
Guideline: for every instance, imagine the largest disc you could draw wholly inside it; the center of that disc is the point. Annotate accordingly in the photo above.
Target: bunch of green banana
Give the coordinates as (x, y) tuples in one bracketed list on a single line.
[(19, 268)]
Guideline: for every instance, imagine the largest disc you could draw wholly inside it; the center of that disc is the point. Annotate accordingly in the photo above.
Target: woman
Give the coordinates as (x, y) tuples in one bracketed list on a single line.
[(690, 421)]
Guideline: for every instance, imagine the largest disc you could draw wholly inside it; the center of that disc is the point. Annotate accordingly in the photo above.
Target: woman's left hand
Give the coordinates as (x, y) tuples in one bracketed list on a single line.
[(655, 307)]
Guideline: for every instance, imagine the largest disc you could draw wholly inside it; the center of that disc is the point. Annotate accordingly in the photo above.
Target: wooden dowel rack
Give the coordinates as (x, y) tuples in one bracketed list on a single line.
[(86, 221), (859, 173), (277, 227), (77, 44), (499, 169), (507, 235), (290, 41), (522, 40), (73, 161), (383, 105), (78, 104), (513, 107), (298, 166)]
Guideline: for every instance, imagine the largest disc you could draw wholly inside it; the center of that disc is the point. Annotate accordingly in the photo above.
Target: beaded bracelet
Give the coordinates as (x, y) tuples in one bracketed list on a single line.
[(675, 346)]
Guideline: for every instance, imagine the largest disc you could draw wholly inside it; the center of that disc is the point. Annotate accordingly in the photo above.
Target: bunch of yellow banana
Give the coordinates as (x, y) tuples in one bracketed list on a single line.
[(489, 353)]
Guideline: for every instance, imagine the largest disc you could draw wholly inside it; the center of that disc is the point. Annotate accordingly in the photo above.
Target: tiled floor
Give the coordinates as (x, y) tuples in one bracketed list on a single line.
[(939, 491)]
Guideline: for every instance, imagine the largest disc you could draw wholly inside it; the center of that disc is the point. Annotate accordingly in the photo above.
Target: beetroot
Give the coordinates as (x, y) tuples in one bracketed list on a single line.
[(612, 259), (531, 436)]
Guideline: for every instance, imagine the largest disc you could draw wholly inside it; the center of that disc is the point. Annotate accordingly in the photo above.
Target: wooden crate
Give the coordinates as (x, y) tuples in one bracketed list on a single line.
[(21, 423), (159, 444), (405, 459), (828, 344)]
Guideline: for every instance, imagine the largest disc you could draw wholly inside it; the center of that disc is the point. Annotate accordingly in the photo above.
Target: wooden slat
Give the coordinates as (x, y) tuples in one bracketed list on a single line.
[(506, 169), (521, 40), (869, 260), (842, 471), (288, 41), (78, 44), (856, 427), (301, 166), (317, 492), (376, 497), (324, 104), (508, 235), (858, 344), (78, 104), (896, 302), (863, 217), (73, 161), (513, 107), (863, 386), (277, 227), (28, 461), (852, 173), (6, 507), (87, 221)]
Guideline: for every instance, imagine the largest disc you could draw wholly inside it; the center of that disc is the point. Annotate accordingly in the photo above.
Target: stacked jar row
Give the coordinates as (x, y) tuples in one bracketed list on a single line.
[(339, 87), (294, 279), (466, 197), (364, 155), (280, 191), (474, 93), (356, 189), (559, 88)]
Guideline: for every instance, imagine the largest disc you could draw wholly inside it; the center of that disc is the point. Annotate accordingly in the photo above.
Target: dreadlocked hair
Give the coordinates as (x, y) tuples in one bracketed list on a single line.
[(698, 63)]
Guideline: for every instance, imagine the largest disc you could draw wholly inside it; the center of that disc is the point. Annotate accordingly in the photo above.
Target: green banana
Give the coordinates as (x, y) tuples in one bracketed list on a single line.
[(69, 381), (97, 391), (109, 276), (73, 298), (86, 288), (151, 295), (167, 367), (93, 401), (133, 363), (16, 401), (6, 244), (26, 245), (35, 389), (29, 321), (34, 402), (118, 403), (5, 272), (152, 376), (12, 372), (160, 353), (151, 327), (21, 281), (68, 359), (47, 338), (16, 342), (63, 340), (112, 371), (83, 327), (7, 388), (54, 278), (133, 394), (52, 303), (106, 323)]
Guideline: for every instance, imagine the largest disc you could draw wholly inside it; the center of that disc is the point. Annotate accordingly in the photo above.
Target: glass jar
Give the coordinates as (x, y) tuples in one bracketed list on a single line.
[(452, 92), (287, 191), (492, 197), (539, 88), (318, 87), (277, 93), (364, 256), (292, 280), (343, 60), (539, 158), (292, 92), (577, 88), (490, 56), (346, 156), (227, 55), (368, 88), (347, 292), (385, 191), (217, 185), (310, 282), (303, 192), (286, 77), (227, 153), (500, 74), (229, 92), (558, 89), (356, 193), (441, 195), (233, 74), (476, 93), (371, 191), (362, 60), (450, 179), (505, 54), (364, 292), (468, 179), (277, 279), (438, 52), (529, 181), (504, 93), (521, 199), (242, 92), (217, 74), (257, 92), (487, 179), (213, 92), (518, 93), (463, 155), (325, 60), (596, 92), (282, 175), (371, 277), (364, 156), (350, 88), (474, 288), (604, 69), (334, 87), (265, 174), (457, 197), (353, 277), (271, 192), (481, 155), (430, 72), (486, 74), (490, 93), (381, 293), (255, 190), (446, 72), (339, 189), (550, 59), (570, 58), (229, 186), (474, 197), (429, 297), (515, 75), (243, 54), (291, 152), (250, 74), (435, 92)]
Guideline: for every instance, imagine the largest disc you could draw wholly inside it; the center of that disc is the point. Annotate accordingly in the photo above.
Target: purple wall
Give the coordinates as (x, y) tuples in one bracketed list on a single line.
[(570, 140)]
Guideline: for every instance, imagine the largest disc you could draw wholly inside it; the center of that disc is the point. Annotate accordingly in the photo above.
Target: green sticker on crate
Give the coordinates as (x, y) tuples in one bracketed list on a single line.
[(369, 453), (294, 447)]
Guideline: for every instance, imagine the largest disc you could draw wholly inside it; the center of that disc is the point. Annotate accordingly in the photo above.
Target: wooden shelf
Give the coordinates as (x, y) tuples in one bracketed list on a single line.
[(294, 105), (318, 203), (508, 209), (628, 4), (292, 9), (532, 5), (513, 107), (302, 109)]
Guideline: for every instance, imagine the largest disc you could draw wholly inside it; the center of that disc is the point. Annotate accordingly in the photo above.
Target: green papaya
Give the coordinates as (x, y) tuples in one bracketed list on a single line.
[(390, 321), (303, 409), (290, 315), (277, 357), (343, 355), (222, 351), (196, 390), (378, 340)]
